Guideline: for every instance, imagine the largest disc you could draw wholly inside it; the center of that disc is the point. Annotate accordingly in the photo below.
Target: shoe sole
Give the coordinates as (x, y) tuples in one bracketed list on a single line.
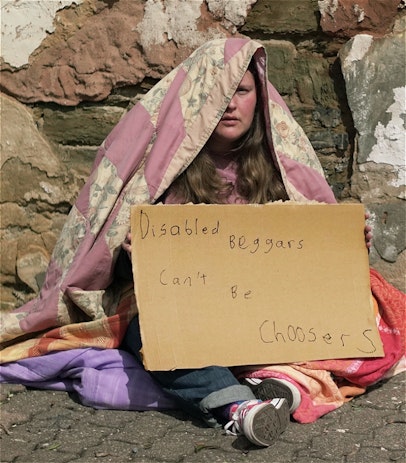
[(269, 389), (267, 424)]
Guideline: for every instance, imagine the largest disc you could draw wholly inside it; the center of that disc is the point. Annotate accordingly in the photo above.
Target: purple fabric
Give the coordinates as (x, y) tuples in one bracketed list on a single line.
[(102, 378)]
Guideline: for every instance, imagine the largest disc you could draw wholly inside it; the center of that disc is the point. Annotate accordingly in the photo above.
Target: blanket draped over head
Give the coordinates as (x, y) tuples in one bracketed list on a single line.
[(81, 305), (79, 302)]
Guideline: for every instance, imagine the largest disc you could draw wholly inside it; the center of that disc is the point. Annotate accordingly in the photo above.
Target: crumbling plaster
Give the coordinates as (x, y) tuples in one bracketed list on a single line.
[(382, 137), (391, 138), (177, 20), (25, 24)]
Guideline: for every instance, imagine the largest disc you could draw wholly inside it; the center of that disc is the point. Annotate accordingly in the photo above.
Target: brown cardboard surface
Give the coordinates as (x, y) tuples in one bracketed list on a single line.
[(251, 284)]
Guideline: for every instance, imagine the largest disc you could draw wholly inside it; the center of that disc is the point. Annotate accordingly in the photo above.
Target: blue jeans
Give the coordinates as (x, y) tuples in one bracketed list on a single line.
[(198, 391)]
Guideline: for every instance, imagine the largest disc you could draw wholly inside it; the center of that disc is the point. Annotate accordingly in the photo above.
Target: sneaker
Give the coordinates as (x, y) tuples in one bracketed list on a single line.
[(260, 422), (271, 388)]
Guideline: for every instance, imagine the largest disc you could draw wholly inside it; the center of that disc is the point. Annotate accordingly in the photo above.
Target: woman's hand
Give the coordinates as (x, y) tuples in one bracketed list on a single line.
[(368, 233), (126, 245)]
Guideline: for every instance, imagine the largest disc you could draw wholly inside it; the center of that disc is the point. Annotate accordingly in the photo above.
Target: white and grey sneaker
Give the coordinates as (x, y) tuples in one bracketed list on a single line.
[(271, 388), (261, 422)]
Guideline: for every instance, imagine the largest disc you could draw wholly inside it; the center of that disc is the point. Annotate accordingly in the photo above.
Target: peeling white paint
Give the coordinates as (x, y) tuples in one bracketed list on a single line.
[(234, 11), (170, 20), (359, 12), (391, 139), (25, 24), (359, 48), (177, 20), (328, 7)]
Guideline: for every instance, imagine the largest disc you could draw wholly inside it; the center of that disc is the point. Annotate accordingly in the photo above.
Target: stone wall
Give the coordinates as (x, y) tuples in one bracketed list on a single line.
[(71, 68)]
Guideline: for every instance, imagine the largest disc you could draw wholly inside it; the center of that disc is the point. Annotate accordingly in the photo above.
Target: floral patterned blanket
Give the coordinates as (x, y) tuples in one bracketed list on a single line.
[(80, 303)]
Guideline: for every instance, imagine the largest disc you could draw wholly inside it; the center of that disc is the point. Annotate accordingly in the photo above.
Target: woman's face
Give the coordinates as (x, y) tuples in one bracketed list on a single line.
[(237, 118)]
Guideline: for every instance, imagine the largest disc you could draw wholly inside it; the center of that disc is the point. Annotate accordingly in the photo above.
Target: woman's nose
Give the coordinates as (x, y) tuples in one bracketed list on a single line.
[(232, 104)]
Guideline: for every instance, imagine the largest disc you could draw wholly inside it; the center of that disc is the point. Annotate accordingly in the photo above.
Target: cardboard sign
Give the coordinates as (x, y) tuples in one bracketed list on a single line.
[(252, 284)]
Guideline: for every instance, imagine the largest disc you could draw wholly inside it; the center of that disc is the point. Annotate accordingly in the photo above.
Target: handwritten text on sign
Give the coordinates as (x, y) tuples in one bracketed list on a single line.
[(243, 285)]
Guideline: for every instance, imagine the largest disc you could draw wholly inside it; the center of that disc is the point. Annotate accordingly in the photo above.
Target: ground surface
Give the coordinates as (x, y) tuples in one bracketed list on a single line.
[(45, 426)]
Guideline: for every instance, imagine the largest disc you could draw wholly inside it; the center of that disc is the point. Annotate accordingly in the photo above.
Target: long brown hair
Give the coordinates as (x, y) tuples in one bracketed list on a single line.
[(258, 179)]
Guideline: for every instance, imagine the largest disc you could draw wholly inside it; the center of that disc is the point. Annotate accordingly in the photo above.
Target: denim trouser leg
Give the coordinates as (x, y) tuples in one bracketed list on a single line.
[(196, 390)]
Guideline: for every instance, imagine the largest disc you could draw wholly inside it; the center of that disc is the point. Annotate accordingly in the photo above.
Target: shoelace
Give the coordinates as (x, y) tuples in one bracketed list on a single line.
[(233, 427)]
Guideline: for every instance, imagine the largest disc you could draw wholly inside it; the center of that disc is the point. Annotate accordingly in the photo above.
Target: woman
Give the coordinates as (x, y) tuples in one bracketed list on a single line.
[(214, 131), (233, 166)]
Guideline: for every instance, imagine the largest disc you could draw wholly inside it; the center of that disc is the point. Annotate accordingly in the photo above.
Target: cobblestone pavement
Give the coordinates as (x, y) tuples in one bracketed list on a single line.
[(45, 426)]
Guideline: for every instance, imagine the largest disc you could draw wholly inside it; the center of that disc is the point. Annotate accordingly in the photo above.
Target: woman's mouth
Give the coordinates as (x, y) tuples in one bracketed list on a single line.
[(229, 120)]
